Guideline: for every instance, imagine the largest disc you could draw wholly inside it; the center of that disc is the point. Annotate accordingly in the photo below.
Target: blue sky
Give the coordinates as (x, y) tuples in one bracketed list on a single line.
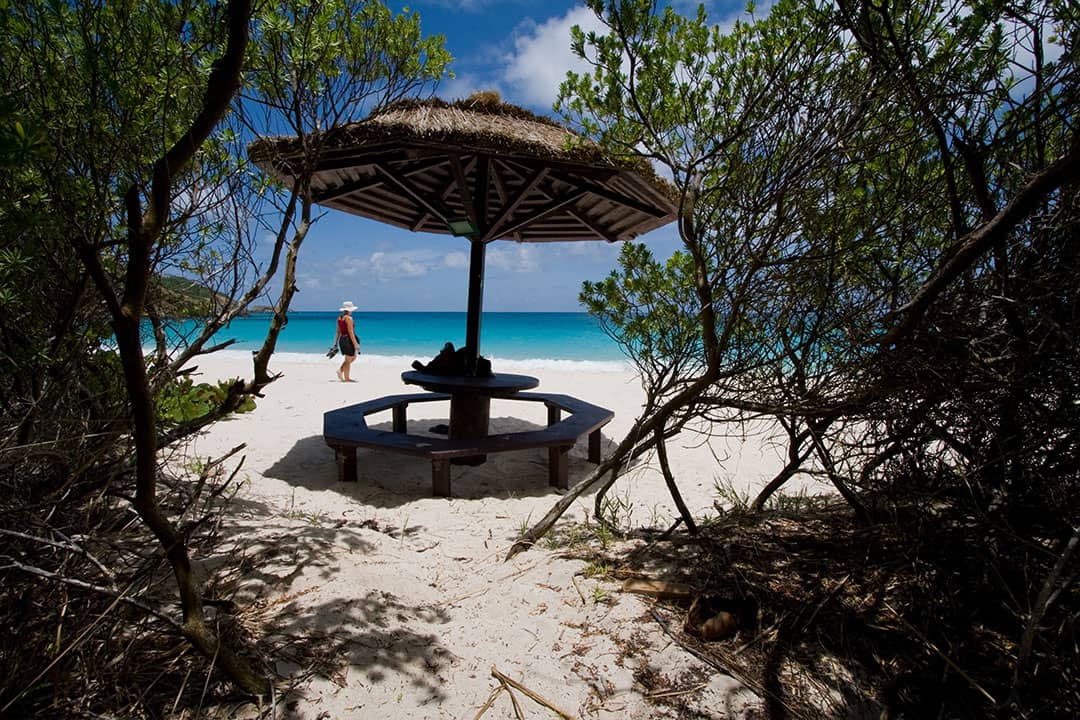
[(521, 49)]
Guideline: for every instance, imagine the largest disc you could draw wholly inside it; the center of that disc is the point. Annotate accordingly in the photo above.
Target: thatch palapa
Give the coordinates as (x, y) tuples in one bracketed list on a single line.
[(477, 168), (423, 164)]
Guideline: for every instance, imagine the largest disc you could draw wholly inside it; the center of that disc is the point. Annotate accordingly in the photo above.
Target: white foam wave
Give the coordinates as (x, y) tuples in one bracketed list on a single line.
[(534, 364), (405, 362)]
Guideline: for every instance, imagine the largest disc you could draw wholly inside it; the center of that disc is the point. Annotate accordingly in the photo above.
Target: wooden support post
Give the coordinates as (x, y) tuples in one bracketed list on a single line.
[(469, 418), (440, 478), (346, 463), (558, 475), (554, 414), (594, 447), (400, 422), (475, 306)]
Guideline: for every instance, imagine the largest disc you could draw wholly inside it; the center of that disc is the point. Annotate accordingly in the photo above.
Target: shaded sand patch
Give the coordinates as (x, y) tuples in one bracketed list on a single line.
[(385, 601)]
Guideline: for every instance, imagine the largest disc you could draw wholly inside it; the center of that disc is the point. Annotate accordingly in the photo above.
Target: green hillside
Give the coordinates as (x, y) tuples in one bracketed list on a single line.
[(181, 297)]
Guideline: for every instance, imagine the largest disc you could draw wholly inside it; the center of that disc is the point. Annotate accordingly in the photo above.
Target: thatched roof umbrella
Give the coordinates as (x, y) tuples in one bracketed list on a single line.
[(476, 168)]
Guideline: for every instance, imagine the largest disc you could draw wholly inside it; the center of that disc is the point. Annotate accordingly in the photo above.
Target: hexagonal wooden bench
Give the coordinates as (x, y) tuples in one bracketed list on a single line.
[(346, 429)]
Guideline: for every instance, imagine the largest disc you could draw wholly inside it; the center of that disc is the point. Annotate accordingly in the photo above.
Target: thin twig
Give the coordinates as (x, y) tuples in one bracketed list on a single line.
[(1042, 604), (513, 700), (532, 695), (491, 698), (832, 593), (948, 661), (667, 533), (180, 690), (676, 693), (466, 596), (66, 545), (78, 641), (32, 570), (209, 674), (580, 594), (527, 568)]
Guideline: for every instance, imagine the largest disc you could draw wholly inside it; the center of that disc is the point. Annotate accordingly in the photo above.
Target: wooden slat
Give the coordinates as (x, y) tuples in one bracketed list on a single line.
[(510, 207)]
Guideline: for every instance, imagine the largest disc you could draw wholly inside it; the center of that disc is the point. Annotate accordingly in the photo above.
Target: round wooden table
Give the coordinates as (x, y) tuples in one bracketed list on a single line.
[(470, 399)]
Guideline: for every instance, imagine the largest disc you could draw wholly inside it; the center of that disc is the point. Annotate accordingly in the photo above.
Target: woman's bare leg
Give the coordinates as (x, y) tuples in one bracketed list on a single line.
[(345, 366)]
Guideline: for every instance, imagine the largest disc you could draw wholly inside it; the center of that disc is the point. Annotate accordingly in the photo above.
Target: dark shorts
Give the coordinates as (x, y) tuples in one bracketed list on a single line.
[(346, 346)]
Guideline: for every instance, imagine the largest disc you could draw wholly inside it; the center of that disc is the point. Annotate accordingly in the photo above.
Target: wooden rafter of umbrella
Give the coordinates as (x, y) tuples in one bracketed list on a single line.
[(476, 168)]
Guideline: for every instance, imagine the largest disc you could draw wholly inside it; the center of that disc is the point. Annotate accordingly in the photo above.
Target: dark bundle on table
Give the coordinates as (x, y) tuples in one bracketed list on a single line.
[(452, 362)]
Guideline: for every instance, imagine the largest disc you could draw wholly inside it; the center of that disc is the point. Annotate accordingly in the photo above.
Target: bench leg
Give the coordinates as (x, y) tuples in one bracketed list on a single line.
[(469, 418), (557, 467), (594, 447), (346, 463), (440, 478), (399, 418)]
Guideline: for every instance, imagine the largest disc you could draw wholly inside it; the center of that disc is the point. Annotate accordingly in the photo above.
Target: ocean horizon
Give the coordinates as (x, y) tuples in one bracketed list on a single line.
[(513, 341)]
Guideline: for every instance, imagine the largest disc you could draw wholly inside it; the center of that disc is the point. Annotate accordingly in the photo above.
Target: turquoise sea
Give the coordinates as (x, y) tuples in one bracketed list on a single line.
[(512, 340)]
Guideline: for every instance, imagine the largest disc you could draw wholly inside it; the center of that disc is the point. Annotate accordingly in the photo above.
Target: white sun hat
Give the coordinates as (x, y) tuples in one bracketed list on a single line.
[(347, 306)]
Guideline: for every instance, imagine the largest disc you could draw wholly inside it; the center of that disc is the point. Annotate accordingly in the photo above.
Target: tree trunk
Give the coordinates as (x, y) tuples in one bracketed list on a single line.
[(144, 229)]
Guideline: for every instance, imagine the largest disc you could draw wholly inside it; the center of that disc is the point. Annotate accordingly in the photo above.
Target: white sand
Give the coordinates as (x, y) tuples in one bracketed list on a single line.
[(410, 595)]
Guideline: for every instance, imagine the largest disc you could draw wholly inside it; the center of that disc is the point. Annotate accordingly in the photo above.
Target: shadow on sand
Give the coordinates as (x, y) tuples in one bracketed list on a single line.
[(285, 576), (373, 633), (389, 480)]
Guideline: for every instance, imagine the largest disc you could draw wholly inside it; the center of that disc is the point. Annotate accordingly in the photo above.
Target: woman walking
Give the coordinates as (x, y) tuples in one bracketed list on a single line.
[(346, 341)]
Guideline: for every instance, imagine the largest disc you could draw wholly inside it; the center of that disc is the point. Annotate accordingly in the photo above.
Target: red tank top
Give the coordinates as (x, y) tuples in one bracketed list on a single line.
[(342, 327)]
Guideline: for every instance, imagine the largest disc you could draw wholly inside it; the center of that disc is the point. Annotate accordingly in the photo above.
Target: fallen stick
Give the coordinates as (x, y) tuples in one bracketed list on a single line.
[(466, 596), (676, 693), (491, 698), (513, 700), (529, 693), (580, 594)]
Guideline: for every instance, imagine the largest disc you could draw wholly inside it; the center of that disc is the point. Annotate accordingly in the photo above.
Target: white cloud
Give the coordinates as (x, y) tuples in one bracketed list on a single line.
[(392, 266), (542, 56), (597, 250), (519, 258), (458, 260), (510, 257), (351, 267)]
